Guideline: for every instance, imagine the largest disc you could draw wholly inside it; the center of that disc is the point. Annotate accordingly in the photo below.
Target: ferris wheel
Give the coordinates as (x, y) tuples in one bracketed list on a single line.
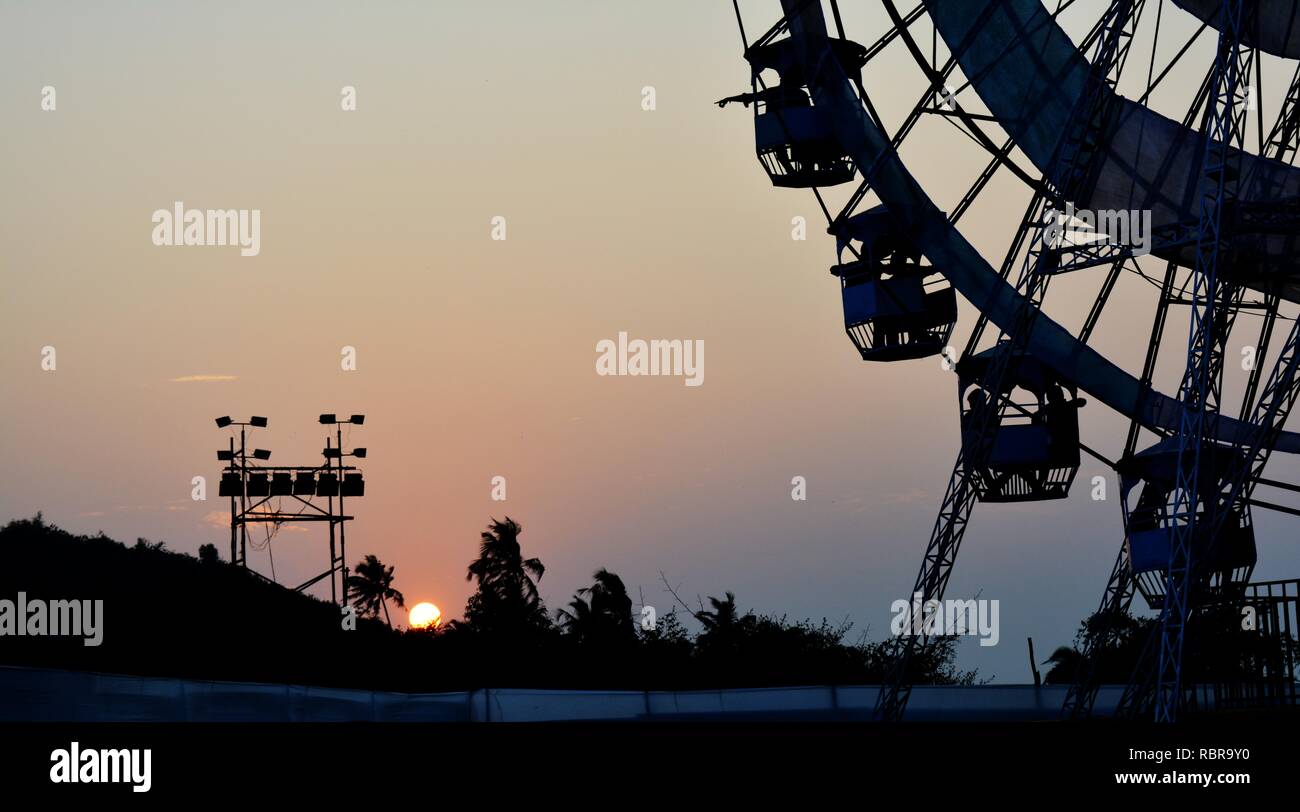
[(1202, 203)]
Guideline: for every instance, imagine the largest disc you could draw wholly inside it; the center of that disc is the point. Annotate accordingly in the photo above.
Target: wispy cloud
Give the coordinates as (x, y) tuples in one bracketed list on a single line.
[(204, 378), (216, 519), (908, 497), (174, 506)]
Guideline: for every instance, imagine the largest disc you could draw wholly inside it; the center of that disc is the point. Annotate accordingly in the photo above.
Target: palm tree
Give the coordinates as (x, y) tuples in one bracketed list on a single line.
[(723, 617), (724, 627), (606, 617), (507, 598), (578, 622), (371, 585), (1066, 662)]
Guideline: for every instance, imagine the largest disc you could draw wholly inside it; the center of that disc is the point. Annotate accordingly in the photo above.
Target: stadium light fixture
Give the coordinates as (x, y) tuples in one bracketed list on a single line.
[(353, 485), (328, 419), (357, 419), (231, 485), (259, 485), (259, 422), (281, 483), (225, 455), (261, 454), (222, 422), (359, 452), (304, 484), (327, 485)]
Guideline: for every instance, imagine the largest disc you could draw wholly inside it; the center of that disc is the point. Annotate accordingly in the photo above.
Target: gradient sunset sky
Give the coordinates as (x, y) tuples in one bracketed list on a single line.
[(476, 358)]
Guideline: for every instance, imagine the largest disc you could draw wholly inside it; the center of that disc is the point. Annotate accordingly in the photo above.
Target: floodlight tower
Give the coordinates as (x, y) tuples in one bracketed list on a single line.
[(349, 485), (238, 459), (256, 493)]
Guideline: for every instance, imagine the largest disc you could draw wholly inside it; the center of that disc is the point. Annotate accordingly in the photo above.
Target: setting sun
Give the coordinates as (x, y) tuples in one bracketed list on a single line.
[(425, 615)]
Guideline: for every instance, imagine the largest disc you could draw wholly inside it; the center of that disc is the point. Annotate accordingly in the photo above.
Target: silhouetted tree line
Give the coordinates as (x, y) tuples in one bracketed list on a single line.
[(1115, 661), (1221, 651), (169, 613)]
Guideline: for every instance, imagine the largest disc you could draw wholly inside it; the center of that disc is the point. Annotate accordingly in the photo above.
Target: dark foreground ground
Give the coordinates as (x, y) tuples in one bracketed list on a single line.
[(1010, 766)]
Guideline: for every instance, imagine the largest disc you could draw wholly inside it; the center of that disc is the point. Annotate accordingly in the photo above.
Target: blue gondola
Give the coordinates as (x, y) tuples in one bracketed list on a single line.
[(794, 139), (890, 312), (1030, 451), (1147, 483)]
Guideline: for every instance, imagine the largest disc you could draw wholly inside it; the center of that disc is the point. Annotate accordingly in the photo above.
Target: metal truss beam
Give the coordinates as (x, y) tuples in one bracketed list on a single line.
[(1074, 157), (1202, 381)]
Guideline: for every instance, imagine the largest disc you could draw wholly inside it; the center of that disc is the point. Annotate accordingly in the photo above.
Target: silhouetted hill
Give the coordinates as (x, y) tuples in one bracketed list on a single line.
[(170, 614), (167, 613)]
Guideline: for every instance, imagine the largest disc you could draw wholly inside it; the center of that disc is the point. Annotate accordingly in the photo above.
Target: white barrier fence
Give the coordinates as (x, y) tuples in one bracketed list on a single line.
[(28, 694)]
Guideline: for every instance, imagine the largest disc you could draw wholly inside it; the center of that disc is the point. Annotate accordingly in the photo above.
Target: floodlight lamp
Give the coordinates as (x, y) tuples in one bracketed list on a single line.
[(359, 452), (225, 455), (281, 483), (304, 484), (259, 422), (231, 485), (357, 419), (330, 453), (327, 485), (222, 422), (258, 485), (353, 485), (328, 419), (261, 454)]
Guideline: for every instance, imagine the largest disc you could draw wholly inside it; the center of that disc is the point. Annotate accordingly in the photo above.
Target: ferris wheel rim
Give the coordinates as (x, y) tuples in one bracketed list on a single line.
[(959, 262), (1038, 128)]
